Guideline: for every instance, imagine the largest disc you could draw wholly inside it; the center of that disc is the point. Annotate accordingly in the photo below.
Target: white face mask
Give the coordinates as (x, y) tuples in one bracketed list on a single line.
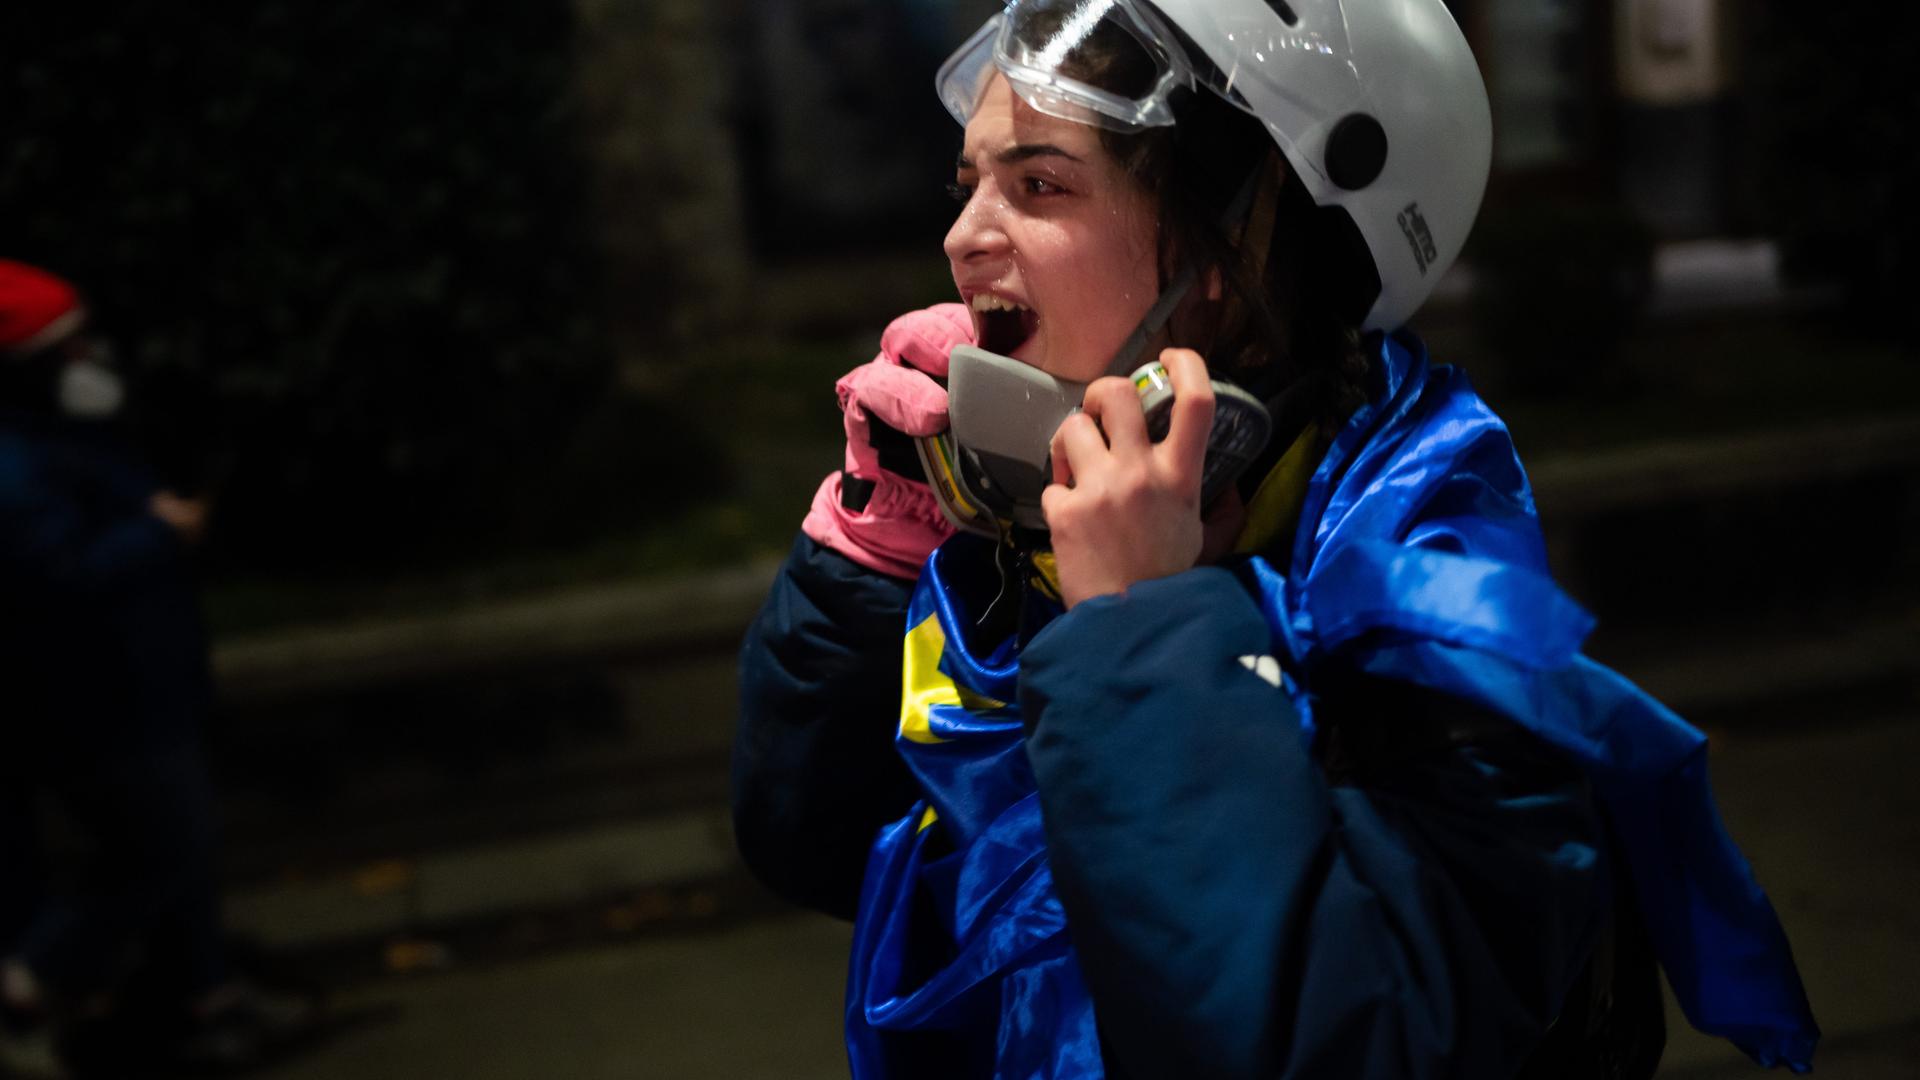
[(89, 390)]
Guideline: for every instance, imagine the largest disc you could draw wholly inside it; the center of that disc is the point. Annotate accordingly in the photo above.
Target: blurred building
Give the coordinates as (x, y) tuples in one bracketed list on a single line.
[(776, 134), (845, 145), (1632, 99)]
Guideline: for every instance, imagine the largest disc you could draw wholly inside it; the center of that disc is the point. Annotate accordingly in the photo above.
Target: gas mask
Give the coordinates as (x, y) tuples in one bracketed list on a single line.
[(989, 468)]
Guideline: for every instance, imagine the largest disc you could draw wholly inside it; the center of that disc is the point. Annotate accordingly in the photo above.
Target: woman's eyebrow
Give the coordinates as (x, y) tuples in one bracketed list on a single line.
[(1013, 155)]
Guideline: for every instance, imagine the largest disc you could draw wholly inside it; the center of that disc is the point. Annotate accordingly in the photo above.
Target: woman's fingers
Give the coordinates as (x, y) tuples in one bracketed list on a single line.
[(1114, 404), (1185, 447), (1110, 421), (1076, 446)]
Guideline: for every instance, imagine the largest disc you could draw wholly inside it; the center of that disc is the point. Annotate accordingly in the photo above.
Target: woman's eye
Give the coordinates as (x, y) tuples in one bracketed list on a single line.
[(960, 193), (1040, 186)]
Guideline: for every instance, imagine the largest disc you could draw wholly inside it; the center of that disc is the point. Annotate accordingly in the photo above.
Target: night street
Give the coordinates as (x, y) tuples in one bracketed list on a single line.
[(1827, 810)]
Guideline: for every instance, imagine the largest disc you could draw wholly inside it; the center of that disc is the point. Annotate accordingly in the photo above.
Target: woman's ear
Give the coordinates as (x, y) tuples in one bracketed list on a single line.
[(1216, 287)]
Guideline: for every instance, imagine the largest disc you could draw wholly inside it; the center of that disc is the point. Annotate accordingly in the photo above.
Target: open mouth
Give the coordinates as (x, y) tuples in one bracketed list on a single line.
[(1002, 324)]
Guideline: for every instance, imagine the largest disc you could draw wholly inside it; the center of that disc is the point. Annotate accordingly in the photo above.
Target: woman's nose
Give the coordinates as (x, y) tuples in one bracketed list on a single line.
[(979, 231)]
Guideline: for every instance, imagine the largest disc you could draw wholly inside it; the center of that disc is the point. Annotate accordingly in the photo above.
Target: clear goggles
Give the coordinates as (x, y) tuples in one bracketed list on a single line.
[(1107, 63)]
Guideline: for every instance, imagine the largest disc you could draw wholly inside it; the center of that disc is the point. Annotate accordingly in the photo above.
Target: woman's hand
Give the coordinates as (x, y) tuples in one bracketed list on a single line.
[(187, 517), (878, 510), (1123, 509)]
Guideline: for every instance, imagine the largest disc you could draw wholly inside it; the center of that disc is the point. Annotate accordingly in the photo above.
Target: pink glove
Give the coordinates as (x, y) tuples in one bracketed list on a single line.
[(884, 517)]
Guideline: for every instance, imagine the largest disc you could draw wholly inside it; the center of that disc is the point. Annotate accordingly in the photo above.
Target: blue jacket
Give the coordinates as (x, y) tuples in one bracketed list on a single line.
[(1194, 874), (102, 649)]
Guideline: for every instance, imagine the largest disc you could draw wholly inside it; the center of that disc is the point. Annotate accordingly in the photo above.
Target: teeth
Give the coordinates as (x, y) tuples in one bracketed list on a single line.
[(990, 302)]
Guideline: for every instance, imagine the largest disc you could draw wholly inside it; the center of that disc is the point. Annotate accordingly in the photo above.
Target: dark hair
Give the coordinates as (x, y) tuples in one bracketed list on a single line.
[(1292, 299)]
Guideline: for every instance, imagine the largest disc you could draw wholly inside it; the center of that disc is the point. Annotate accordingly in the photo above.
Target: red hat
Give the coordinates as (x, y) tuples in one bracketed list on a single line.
[(36, 308)]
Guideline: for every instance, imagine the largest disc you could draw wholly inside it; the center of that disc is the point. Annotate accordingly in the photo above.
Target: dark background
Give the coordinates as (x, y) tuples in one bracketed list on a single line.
[(408, 285), (490, 326), (351, 254)]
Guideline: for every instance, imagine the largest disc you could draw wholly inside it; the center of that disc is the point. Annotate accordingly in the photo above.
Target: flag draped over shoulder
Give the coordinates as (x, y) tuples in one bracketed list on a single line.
[(1417, 558)]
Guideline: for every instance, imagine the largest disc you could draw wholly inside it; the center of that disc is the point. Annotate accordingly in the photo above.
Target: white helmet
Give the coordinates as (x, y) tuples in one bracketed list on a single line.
[(1377, 104)]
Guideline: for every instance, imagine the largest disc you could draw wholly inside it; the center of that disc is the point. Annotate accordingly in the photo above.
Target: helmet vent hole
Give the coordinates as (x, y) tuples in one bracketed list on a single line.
[(1285, 11)]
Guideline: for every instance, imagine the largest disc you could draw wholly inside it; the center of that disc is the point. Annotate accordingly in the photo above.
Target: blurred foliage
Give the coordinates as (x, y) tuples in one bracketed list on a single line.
[(347, 251), (1561, 281), (774, 404), (1834, 102)]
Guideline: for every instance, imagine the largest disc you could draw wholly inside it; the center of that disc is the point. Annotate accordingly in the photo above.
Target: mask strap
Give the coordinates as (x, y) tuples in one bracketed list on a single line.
[(1128, 356)]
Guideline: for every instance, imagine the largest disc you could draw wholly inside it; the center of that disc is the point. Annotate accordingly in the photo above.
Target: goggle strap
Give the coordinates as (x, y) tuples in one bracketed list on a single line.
[(1127, 357)]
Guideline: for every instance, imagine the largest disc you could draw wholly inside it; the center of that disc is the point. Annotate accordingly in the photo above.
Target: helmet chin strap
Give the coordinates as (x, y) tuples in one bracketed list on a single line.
[(1127, 357)]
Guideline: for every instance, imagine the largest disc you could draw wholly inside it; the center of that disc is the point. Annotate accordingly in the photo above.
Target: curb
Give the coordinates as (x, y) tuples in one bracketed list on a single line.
[(585, 623), (414, 896), (1672, 470), (636, 620)]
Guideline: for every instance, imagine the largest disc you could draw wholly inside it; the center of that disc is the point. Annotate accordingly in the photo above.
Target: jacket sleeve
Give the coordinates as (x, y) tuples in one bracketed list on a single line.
[(1238, 916), (815, 773), (51, 547)]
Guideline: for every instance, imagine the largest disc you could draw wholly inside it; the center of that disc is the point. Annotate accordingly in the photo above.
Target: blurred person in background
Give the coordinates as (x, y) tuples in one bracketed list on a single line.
[(105, 690), (1305, 779)]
